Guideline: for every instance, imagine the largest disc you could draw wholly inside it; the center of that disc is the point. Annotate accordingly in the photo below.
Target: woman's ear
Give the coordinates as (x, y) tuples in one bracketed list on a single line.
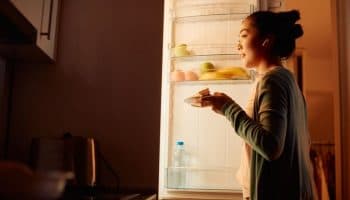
[(265, 43), (268, 42)]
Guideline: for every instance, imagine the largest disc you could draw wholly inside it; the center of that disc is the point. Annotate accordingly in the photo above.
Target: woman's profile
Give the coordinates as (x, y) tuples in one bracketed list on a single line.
[(274, 129)]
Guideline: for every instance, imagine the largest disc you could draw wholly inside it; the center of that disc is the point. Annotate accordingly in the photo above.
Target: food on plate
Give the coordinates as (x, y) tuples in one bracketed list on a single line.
[(196, 100), (204, 92)]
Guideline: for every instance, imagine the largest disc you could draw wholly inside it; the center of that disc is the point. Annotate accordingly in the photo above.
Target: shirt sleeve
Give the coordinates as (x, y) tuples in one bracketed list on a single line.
[(267, 134)]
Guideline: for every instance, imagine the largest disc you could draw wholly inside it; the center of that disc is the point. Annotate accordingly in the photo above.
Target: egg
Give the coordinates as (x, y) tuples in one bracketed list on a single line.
[(177, 75), (190, 76)]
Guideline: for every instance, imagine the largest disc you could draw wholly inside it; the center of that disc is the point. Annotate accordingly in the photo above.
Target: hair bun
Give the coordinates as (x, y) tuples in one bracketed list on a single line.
[(297, 31), (290, 16)]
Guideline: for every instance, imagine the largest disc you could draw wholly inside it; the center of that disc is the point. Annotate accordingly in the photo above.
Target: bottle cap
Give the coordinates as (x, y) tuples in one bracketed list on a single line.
[(180, 142)]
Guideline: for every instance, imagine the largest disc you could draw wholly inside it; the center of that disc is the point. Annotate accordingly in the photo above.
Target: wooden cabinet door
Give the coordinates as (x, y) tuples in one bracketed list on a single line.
[(43, 14), (47, 35)]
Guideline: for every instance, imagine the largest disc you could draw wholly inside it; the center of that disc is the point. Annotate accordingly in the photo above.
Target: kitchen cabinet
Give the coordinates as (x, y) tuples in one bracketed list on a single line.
[(43, 15)]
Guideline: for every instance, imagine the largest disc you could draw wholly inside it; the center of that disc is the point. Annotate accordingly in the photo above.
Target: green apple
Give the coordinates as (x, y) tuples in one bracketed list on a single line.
[(206, 67)]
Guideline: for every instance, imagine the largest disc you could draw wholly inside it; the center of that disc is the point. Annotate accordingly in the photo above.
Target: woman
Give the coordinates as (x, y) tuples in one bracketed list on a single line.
[(276, 132)]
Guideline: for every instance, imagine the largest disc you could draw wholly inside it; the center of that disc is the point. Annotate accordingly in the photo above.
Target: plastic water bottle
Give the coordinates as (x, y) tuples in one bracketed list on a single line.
[(179, 165)]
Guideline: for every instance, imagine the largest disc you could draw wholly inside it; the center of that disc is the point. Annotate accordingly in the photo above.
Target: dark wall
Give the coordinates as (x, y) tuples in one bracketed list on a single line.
[(106, 83)]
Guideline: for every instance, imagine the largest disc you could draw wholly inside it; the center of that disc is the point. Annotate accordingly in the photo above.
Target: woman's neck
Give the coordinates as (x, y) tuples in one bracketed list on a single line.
[(267, 65)]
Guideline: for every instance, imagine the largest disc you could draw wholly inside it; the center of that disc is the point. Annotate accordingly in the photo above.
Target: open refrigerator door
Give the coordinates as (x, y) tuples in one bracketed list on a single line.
[(199, 53)]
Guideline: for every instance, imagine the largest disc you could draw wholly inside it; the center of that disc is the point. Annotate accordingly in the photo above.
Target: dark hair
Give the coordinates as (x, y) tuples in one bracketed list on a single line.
[(281, 26)]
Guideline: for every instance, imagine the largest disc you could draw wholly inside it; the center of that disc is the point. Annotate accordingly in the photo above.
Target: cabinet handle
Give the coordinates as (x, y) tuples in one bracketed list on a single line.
[(48, 33)]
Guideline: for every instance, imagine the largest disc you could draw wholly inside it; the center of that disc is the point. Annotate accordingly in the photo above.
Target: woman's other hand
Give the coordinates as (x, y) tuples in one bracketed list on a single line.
[(217, 101)]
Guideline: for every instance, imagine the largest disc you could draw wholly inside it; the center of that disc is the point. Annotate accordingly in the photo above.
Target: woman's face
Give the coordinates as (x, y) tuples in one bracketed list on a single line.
[(249, 45)]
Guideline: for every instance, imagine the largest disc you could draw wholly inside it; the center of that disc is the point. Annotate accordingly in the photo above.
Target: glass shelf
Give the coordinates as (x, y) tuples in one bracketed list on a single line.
[(231, 76), (191, 178), (212, 82), (208, 18), (207, 52), (211, 12), (206, 57)]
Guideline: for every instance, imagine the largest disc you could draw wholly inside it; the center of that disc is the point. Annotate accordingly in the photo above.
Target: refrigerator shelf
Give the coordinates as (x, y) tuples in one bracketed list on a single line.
[(193, 178), (204, 51), (194, 3), (208, 18), (215, 82), (206, 57), (210, 11)]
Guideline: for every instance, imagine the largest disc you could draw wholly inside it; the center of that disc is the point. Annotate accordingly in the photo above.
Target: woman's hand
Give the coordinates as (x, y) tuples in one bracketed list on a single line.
[(217, 100)]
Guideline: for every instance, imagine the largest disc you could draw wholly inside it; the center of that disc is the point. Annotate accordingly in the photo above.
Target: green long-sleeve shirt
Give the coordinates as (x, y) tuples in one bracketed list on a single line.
[(277, 132)]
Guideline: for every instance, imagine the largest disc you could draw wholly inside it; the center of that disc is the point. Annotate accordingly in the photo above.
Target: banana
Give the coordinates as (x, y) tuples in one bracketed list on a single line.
[(225, 73), (233, 72), (213, 76)]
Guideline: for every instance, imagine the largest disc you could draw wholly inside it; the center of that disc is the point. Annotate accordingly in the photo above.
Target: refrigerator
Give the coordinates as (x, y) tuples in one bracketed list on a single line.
[(199, 52)]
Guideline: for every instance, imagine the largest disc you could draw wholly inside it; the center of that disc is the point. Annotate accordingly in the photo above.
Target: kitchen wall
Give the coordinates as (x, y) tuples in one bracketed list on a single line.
[(323, 79), (105, 84), (319, 72)]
